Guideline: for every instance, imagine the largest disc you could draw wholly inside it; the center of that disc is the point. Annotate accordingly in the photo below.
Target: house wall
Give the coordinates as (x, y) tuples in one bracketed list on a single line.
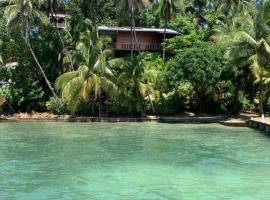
[(145, 41)]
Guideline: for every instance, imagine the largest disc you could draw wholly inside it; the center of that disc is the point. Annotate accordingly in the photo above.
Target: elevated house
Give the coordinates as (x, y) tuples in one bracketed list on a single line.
[(147, 39), (59, 20)]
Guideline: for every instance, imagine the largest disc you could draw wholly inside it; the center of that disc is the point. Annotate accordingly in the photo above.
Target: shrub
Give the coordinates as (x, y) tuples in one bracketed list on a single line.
[(56, 106)]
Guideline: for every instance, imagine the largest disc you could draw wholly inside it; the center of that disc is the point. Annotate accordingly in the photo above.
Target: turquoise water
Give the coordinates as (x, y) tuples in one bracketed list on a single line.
[(128, 161)]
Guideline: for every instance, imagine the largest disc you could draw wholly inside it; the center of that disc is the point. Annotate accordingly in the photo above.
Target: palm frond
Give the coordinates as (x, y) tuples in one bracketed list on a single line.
[(72, 89), (62, 80), (11, 12)]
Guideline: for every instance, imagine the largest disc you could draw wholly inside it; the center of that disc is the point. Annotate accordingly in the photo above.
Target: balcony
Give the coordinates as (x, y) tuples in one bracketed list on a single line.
[(138, 46), (58, 20)]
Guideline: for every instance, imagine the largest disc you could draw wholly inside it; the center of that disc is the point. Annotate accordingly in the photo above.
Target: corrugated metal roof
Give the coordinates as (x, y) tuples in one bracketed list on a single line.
[(138, 29)]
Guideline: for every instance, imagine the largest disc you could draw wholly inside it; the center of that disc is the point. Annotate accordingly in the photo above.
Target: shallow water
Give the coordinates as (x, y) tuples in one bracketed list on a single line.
[(126, 161)]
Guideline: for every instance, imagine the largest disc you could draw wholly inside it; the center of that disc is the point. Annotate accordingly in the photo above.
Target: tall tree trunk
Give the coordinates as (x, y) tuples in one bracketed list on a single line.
[(135, 36), (101, 94), (134, 29), (102, 110), (93, 107), (236, 99), (140, 100), (131, 30), (165, 33), (261, 98)]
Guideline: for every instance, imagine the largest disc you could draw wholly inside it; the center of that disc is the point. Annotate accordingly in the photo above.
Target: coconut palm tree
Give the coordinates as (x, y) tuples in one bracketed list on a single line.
[(93, 75), (167, 10), (25, 11), (251, 47), (223, 32), (132, 80), (246, 51), (228, 9)]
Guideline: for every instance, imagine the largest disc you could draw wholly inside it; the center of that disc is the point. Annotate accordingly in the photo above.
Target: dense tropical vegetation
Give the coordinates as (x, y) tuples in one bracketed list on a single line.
[(219, 63)]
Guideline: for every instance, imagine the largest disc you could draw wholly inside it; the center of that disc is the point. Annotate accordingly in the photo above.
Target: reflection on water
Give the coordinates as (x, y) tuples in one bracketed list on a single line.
[(132, 161)]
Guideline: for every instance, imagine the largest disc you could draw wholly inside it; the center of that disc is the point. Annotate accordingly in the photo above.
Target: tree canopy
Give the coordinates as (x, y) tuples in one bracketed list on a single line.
[(217, 63)]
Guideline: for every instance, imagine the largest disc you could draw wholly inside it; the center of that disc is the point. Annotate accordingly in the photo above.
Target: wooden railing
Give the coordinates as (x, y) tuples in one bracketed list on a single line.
[(139, 46), (58, 21)]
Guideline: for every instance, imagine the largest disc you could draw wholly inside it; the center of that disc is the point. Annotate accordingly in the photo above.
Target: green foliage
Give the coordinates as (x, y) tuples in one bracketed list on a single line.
[(183, 25), (136, 81), (168, 104), (179, 43), (148, 19), (83, 67), (190, 36), (26, 98), (92, 76), (244, 101), (202, 67), (56, 106)]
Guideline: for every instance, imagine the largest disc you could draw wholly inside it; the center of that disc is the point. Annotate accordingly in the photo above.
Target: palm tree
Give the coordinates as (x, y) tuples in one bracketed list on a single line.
[(223, 32), (246, 50), (228, 9), (93, 75), (167, 10), (25, 11), (251, 47), (133, 80), (129, 7)]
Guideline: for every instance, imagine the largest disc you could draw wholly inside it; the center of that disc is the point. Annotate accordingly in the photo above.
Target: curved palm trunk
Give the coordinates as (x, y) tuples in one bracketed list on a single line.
[(42, 71), (26, 23)]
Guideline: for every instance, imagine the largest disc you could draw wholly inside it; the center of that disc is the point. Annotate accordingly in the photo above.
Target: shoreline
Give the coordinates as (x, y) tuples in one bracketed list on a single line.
[(240, 121)]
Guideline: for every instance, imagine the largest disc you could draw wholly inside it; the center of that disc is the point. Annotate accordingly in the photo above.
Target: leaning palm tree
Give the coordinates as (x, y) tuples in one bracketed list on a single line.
[(167, 10), (24, 11), (93, 75)]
